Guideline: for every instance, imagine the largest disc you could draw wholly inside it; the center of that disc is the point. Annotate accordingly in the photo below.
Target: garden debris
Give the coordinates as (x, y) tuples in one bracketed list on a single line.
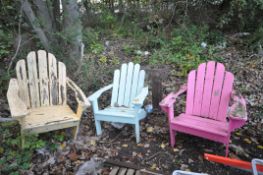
[(71, 156), (128, 168), (90, 167)]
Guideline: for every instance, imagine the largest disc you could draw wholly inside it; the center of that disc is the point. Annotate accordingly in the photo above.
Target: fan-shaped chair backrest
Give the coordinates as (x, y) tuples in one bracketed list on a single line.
[(41, 79), (209, 90), (127, 84)]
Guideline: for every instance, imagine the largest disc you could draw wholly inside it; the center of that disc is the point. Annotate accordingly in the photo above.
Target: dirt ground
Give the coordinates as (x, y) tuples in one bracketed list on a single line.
[(154, 151)]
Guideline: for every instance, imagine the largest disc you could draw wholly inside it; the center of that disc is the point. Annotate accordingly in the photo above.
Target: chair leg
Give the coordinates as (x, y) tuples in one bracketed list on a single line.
[(98, 127), (22, 139), (137, 132), (75, 131), (227, 149), (172, 137)]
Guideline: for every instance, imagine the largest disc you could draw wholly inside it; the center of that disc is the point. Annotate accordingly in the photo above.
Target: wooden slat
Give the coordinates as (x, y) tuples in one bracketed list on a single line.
[(140, 82), (122, 84), (199, 89), (127, 94), (111, 162), (114, 171), (208, 87), (225, 97), (135, 81), (217, 88), (53, 85), (122, 171), (43, 78), (49, 118), (22, 81), (115, 90), (190, 92), (17, 107), (130, 172), (33, 79), (62, 79)]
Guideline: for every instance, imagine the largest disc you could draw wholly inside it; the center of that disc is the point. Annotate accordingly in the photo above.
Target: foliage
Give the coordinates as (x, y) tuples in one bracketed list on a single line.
[(12, 158), (185, 49), (5, 44), (9, 14), (255, 42), (243, 14), (92, 41), (5, 50), (107, 19)]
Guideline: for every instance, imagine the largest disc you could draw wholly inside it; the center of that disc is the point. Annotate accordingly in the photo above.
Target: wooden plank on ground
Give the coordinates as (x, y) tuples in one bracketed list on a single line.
[(121, 164), (130, 172), (114, 171), (122, 171), (138, 172)]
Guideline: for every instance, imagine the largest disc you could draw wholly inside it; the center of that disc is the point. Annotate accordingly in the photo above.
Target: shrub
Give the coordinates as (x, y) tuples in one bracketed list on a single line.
[(185, 49)]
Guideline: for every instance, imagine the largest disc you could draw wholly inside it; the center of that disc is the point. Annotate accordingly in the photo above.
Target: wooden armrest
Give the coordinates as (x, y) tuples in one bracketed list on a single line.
[(94, 97), (170, 99), (237, 114), (141, 97), (238, 110), (98, 93), (80, 96), (17, 107)]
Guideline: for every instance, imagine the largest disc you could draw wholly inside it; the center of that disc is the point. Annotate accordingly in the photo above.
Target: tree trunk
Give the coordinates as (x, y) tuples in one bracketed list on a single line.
[(72, 28), (46, 20), (34, 22)]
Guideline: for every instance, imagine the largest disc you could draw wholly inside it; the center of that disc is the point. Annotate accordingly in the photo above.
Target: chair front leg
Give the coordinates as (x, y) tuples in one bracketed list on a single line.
[(23, 139), (137, 131), (98, 127), (75, 131), (172, 137), (227, 144), (227, 149)]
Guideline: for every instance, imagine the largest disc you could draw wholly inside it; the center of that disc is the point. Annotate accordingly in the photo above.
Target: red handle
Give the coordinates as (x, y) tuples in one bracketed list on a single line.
[(231, 162)]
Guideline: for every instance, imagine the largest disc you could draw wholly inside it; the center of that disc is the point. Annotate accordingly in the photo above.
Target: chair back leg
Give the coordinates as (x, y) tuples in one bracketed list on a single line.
[(98, 127)]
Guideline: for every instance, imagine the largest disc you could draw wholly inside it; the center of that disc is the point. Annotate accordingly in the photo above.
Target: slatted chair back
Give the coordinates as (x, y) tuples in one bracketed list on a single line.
[(208, 91), (127, 84), (42, 80)]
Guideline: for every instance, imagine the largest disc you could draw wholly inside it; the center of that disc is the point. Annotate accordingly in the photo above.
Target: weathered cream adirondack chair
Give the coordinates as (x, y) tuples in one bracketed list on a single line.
[(37, 98)]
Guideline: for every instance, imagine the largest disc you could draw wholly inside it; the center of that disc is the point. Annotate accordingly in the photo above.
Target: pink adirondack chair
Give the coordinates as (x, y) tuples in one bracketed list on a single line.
[(209, 91)]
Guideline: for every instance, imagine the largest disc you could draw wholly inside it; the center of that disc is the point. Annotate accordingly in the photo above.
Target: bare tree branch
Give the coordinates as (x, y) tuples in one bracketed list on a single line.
[(18, 42), (44, 16), (72, 27), (26, 7)]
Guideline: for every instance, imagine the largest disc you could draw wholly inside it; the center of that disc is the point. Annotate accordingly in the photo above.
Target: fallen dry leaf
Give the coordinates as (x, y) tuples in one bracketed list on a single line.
[(73, 156)]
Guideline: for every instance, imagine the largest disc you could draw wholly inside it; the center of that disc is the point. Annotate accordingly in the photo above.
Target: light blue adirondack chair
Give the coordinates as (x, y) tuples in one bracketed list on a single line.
[(128, 94)]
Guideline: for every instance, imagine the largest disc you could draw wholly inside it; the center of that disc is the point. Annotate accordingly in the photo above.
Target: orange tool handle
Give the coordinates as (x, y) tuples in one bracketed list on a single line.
[(231, 162)]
